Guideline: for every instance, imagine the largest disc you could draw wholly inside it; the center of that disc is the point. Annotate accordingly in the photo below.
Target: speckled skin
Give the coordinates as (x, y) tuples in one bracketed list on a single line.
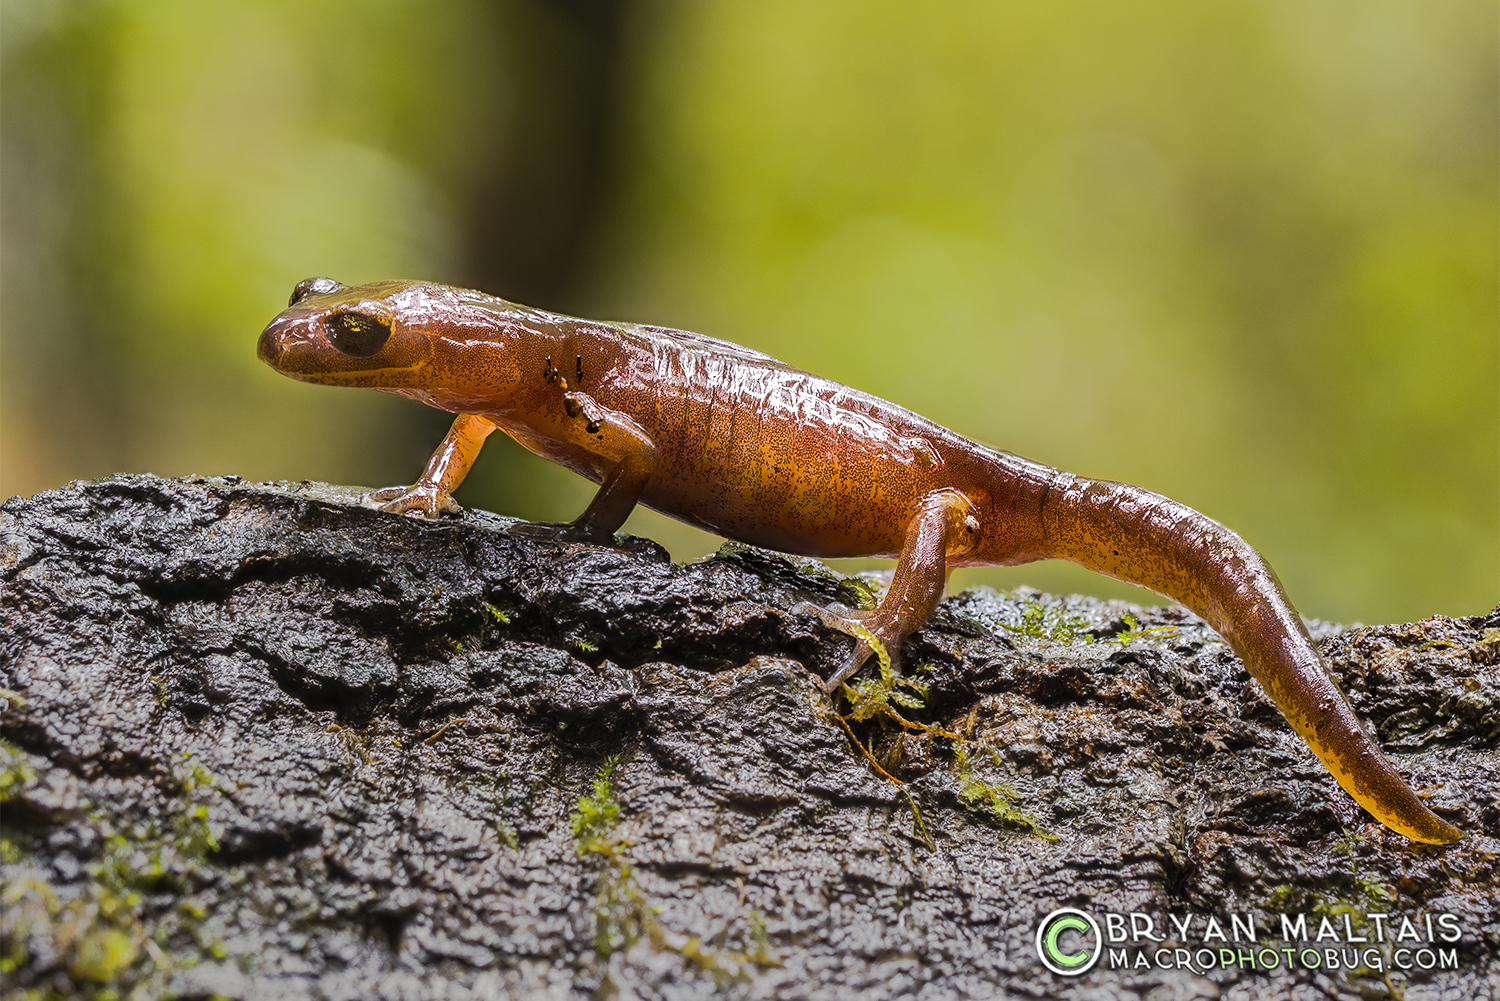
[(746, 446)]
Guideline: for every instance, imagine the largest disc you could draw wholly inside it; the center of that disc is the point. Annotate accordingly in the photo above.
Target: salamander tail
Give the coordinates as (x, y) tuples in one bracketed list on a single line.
[(1144, 538)]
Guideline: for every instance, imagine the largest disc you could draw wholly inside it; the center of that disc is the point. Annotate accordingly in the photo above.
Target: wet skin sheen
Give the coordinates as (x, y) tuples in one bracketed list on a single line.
[(738, 443)]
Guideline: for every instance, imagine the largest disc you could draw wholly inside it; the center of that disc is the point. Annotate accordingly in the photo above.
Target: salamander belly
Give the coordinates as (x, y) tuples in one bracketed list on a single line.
[(781, 459)]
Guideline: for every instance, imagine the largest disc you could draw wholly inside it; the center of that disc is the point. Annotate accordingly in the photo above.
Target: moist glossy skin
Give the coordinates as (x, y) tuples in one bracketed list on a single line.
[(743, 445)]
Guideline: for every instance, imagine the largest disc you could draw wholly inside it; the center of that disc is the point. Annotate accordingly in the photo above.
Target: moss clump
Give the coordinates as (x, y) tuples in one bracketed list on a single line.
[(874, 696), (1134, 630), (878, 697), (997, 799), (762, 954), (131, 865), (1299, 900), (111, 933), (1365, 894), (102, 955), (622, 914), (98, 935), (25, 903), (1050, 624), (1370, 893), (595, 816), (856, 592), (15, 773), (496, 614), (194, 838)]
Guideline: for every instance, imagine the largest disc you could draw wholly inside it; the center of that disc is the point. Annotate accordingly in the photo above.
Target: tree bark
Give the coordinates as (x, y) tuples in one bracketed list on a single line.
[(262, 741)]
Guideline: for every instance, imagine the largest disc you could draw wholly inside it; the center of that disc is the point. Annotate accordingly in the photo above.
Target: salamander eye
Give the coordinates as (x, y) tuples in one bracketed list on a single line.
[(313, 286), (358, 334)]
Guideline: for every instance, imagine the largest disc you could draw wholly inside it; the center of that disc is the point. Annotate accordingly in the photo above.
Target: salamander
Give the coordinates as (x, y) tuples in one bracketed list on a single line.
[(748, 447)]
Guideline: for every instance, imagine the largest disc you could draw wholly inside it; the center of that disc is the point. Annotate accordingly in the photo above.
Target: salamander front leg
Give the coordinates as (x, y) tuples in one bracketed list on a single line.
[(943, 527), (432, 495), (616, 438)]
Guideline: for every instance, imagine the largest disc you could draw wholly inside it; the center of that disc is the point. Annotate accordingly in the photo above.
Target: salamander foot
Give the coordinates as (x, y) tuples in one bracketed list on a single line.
[(420, 500), (864, 627)]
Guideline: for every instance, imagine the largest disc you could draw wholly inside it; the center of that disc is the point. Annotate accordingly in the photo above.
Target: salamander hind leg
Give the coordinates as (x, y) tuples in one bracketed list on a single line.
[(944, 525)]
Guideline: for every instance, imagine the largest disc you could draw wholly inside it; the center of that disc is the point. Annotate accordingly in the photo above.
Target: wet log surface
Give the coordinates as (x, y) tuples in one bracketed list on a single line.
[(263, 742)]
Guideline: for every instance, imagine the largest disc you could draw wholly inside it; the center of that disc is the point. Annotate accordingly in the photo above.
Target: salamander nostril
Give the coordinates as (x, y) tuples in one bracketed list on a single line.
[(358, 334)]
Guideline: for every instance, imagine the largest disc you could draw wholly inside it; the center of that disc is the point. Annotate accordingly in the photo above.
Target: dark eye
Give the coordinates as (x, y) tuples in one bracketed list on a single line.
[(313, 286), (358, 334)]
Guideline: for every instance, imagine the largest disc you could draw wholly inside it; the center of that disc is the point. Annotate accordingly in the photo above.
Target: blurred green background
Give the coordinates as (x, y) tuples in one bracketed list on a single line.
[(1243, 253)]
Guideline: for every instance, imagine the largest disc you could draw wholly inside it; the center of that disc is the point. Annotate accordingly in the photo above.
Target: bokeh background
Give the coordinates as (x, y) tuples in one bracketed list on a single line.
[(1243, 252)]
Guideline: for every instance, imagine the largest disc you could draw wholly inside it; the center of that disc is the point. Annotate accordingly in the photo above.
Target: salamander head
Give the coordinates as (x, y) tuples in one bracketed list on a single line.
[(338, 335)]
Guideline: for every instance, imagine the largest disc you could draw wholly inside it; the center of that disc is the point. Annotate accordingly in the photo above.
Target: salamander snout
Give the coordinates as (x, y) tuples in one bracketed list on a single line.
[(271, 344), (296, 343)]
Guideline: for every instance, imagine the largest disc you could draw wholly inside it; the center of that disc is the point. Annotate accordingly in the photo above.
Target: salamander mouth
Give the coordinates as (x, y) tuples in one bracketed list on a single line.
[(389, 377)]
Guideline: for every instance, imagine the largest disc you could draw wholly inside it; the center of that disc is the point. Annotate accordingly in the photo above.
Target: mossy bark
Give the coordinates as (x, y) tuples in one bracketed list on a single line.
[(264, 742)]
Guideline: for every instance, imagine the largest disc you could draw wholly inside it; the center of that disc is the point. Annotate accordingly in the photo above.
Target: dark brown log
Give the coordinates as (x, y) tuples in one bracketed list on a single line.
[(264, 742)]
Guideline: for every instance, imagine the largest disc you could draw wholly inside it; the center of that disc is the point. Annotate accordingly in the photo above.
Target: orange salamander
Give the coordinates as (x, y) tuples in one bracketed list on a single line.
[(745, 446)]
